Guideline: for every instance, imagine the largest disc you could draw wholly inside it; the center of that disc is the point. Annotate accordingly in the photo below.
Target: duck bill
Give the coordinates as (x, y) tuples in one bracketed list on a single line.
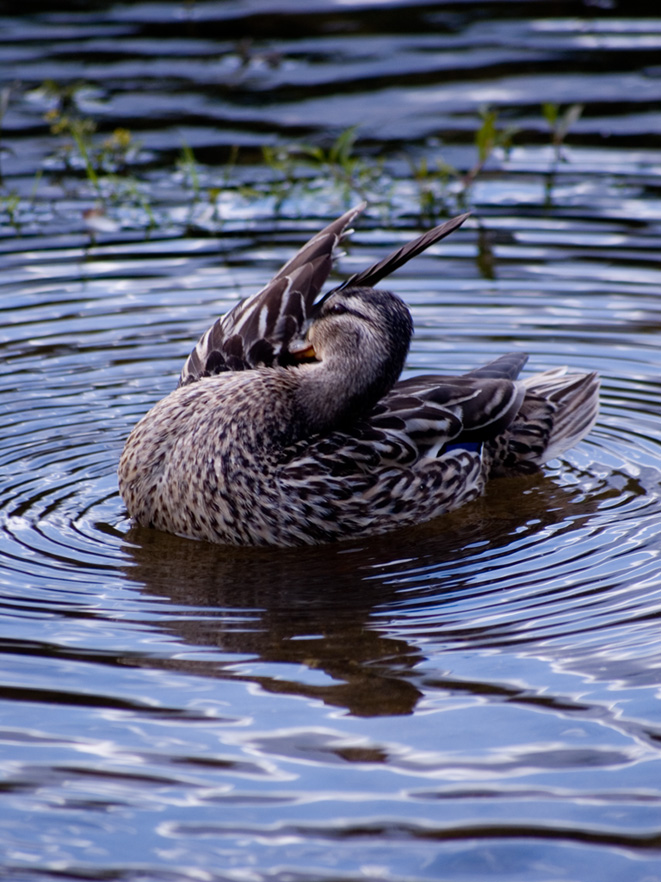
[(303, 351)]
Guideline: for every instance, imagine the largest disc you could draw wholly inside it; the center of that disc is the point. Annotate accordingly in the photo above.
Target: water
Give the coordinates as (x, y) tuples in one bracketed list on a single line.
[(474, 699)]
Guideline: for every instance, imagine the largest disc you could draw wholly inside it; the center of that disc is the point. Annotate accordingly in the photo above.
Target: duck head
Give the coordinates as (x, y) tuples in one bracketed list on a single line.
[(358, 339)]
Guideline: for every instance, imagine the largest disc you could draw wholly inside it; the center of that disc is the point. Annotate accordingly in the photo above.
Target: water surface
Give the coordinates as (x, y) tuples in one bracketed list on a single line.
[(474, 699)]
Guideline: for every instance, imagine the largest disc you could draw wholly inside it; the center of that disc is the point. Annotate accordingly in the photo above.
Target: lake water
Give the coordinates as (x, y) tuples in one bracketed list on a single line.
[(474, 699)]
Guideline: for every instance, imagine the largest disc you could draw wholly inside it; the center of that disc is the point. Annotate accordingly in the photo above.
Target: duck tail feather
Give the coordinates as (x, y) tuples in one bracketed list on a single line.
[(557, 411), (574, 400)]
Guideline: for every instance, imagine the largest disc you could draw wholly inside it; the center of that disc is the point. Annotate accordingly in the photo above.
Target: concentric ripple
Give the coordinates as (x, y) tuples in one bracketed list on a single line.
[(473, 699), (576, 545), (470, 614)]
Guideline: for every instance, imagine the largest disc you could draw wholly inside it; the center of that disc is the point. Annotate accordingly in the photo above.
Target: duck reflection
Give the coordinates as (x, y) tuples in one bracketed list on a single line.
[(316, 607), (307, 607)]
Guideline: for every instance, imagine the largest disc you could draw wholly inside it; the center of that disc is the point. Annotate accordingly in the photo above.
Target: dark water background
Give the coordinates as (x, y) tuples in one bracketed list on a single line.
[(476, 699)]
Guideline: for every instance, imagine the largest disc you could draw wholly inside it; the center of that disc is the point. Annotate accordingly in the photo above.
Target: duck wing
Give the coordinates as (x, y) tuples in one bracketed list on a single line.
[(425, 416), (374, 274), (256, 331), (421, 418)]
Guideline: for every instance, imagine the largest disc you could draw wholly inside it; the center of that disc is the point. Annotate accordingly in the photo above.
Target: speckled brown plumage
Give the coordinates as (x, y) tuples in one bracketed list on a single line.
[(276, 438)]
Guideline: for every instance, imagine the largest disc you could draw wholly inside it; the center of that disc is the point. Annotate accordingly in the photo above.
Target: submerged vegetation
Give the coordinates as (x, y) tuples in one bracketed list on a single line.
[(115, 177)]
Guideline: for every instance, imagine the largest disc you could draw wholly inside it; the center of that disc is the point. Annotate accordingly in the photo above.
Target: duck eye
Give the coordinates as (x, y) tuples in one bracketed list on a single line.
[(337, 309)]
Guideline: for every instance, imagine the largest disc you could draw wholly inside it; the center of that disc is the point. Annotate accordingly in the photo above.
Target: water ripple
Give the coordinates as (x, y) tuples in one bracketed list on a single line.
[(474, 698)]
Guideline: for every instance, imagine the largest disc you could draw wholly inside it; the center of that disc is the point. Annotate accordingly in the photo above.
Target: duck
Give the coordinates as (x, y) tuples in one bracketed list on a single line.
[(290, 424)]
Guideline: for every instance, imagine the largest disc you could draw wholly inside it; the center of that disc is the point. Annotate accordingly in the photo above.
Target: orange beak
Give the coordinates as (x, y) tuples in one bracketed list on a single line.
[(302, 351)]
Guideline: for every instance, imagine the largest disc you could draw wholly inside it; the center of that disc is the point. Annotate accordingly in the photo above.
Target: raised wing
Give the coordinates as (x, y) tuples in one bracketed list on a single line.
[(372, 275), (257, 330)]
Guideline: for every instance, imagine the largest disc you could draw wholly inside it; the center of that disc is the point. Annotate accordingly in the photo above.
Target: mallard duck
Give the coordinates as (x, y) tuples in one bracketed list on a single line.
[(290, 424)]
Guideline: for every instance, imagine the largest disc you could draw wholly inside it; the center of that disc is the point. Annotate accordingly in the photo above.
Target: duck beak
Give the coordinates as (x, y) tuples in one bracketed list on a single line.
[(302, 351)]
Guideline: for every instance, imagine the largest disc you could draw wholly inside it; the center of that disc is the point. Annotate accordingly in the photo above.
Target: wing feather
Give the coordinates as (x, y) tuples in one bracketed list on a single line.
[(374, 274), (432, 412), (257, 330)]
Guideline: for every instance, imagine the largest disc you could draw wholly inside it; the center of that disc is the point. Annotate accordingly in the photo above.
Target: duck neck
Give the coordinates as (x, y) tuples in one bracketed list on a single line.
[(331, 397)]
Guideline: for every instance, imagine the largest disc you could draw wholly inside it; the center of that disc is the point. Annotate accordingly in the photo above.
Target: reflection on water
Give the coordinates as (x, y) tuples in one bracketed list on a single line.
[(320, 608), (305, 611), (473, 699)]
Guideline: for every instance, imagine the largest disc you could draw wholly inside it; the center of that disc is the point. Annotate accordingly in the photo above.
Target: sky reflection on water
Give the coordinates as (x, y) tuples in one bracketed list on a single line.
[(474, 699)]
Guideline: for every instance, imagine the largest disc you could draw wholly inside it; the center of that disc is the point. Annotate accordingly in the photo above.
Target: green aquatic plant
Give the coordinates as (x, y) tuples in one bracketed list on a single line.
[(10, 203), (301, 168), (431, 178), (290, 172), (116, 151), (64, 120), (284, 179), (488, 137), (560, 124), (353, 173), (209, 196), (80, 131), (105, 161), (187, 165), (442, 187), (110, 156), (76, 145)]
